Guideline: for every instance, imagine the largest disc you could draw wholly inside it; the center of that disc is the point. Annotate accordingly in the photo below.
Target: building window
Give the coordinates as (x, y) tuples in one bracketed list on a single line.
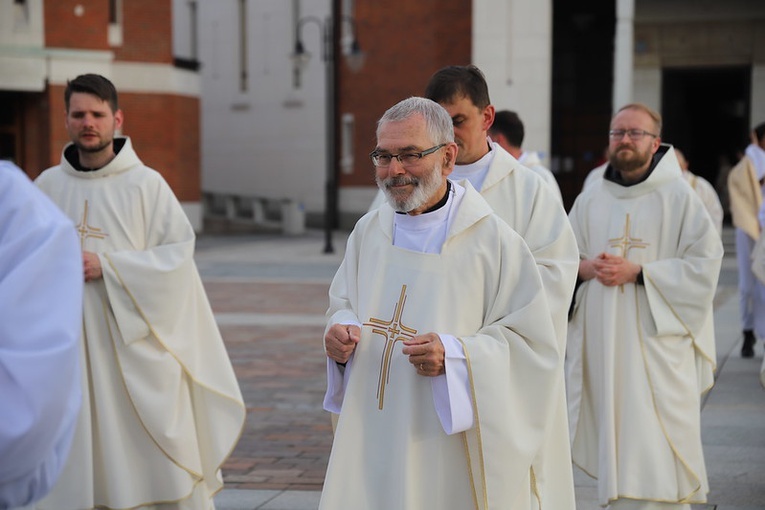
[(243, 79), (113, 11), (347, 125), (193, 30), (115, 23), (20, 13)]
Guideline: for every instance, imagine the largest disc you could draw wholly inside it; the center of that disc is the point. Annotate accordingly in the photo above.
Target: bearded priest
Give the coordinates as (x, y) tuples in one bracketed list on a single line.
[(441, 352), (641, 347)]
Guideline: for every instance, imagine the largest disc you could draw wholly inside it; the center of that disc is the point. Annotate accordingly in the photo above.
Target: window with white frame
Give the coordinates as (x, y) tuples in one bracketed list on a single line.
[(115, 23), (347, 125)]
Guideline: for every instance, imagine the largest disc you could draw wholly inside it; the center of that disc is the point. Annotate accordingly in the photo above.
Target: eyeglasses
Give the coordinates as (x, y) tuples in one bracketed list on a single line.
[(407, 159), (634, 134)]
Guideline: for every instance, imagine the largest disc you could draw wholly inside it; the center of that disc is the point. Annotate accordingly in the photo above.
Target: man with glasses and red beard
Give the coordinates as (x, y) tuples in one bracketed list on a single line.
[(641, 346), (442, 362)]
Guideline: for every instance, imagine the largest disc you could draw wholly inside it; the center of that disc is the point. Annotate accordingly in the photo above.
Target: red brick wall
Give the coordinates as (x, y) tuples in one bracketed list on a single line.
[(35, 153), (56, 118), (164, 129), (146, 28), (64, 29), (146, 31), (403, 49), (165, 133)]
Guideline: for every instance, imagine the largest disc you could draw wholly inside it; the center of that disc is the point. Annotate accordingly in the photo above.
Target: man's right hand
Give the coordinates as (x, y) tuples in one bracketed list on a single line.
[(340, 341)]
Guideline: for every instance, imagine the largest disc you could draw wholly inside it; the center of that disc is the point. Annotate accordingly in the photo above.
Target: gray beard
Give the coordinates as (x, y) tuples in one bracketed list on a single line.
[(424, 188)]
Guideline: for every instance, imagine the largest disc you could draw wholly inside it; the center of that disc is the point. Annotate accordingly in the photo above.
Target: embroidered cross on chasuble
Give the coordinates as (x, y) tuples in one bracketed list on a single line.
[(626, 242), (392, 331), (85, 230)]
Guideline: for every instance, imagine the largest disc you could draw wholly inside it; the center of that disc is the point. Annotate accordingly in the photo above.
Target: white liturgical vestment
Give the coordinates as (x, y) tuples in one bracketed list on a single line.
[(390, 450), (708, 196), (640, 356), (531, 160), (529, 206), (162, 408)]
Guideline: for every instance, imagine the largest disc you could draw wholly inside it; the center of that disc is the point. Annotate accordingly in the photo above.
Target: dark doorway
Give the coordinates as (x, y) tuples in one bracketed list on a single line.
[(706, 115), (24, 120), (10, 127), (582, 82)]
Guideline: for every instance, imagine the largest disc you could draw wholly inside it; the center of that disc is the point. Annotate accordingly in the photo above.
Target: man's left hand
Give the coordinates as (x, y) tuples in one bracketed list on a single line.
[(427, 354)]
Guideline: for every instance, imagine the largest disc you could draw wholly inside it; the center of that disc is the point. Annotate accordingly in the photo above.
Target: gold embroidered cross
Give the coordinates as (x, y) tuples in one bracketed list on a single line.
[(626, 242), (393, 331), (86, 230)]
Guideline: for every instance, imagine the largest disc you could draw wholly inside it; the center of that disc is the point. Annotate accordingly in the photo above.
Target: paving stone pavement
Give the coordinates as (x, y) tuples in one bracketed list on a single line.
[(269, 294)]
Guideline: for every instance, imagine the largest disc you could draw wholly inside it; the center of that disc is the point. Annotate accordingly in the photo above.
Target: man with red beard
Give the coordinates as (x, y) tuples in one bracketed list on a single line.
[(641, 346)]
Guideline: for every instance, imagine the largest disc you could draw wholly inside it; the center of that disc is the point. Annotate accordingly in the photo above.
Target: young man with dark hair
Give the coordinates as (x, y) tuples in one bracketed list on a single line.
[(162, 408), (530, 207)]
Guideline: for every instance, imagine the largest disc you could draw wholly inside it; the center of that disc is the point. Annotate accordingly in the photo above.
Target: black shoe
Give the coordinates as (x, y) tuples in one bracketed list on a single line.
[(747, 350)]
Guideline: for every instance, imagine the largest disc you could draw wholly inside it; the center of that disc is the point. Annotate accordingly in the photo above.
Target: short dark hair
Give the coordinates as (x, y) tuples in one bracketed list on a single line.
[(451, 82), (759, 131), (94, 84), (509, 125)]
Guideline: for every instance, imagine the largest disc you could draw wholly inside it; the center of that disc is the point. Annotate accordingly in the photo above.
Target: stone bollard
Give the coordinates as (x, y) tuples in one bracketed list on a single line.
[(293, 217)]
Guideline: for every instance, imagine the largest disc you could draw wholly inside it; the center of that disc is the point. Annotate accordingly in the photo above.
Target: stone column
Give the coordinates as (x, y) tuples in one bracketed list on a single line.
[(623, 53)]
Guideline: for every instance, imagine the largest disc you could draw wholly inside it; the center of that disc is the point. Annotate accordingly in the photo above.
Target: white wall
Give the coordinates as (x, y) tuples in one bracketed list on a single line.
[(22, 60), (270, 139), (512, 45), (646, 86)]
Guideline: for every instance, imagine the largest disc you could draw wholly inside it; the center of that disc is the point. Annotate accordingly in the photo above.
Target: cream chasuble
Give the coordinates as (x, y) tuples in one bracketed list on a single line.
[(708, 196), (745, 196), (162, 409), (390, 450), (640, 356), (531, 208), (531, 160)]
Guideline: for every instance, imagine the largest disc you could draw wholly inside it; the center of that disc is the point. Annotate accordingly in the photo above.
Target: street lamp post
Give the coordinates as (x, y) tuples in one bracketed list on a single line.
[(301, 57)]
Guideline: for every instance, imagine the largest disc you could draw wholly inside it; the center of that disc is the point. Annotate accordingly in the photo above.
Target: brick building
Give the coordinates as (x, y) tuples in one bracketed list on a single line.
[(44, 43), (563, 66)]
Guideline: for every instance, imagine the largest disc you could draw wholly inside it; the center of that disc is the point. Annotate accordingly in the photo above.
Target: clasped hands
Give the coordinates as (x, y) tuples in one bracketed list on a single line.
[(610, 270), (426, 352)]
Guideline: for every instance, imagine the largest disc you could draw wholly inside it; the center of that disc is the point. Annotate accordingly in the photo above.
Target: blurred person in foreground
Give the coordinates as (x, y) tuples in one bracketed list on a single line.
[(758, 268), (40, 321)]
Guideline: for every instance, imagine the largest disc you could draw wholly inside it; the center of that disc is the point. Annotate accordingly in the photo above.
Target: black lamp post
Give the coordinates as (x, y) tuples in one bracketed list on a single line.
[(355, 60)]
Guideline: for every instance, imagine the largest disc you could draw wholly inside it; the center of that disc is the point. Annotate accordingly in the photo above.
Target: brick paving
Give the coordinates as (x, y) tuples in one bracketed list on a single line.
[(269, 296), (281, 371)]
